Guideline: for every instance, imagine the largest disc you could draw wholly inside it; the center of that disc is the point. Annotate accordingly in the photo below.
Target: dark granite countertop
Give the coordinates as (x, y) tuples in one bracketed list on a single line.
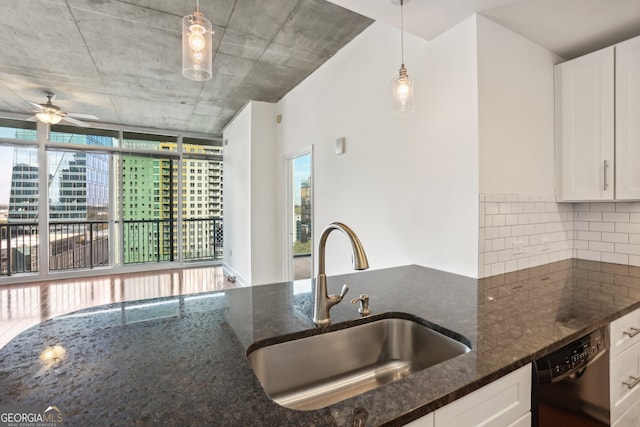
[(181, 360)]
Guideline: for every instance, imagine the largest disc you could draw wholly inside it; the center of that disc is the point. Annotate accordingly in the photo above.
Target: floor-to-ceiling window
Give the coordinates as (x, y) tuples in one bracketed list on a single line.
[(106, 198)]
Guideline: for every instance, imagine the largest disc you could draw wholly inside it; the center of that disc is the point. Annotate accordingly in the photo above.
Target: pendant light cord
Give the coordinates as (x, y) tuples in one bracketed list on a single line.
[(402, 31)]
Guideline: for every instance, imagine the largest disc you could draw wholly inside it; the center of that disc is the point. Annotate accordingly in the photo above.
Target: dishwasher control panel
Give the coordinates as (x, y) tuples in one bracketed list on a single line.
[(572, 358)]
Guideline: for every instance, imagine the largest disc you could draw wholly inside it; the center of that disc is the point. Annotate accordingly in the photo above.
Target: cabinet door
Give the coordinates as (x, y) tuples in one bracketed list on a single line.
[(624, 333), (426, 421), (585, 127), (627, 123), (630, 419), (624, 388), (503, 402)]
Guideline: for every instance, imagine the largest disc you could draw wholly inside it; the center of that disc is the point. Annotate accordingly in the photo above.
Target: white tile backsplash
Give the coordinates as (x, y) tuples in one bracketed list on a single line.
[(519, 231)]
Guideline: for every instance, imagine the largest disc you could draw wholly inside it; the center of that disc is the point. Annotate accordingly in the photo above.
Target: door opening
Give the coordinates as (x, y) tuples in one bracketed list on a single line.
[(300, 212)]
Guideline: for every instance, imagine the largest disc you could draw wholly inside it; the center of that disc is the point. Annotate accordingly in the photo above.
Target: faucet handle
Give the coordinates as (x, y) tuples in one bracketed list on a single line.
[(343, 291), (364, 304)]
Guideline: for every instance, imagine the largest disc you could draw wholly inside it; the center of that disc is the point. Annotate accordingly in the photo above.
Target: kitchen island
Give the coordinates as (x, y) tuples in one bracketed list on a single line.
[(182, 360)]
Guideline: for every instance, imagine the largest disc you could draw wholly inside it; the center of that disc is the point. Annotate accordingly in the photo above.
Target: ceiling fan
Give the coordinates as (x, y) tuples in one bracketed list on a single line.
[(52, 114)]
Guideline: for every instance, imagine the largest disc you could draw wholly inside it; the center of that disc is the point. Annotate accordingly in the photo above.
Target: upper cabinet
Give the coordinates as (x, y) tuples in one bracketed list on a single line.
[(627, 120), (597, 140)]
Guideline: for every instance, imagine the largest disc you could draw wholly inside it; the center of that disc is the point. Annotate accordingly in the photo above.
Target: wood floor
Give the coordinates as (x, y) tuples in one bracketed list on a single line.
[(26, 305)]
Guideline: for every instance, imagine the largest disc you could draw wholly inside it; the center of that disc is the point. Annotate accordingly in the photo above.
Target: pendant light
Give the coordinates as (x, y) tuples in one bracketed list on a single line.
[(402, 86), (197, 46)]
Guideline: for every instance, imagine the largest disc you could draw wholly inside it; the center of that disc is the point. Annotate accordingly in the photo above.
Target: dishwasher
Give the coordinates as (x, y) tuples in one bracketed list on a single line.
[(571, 385)]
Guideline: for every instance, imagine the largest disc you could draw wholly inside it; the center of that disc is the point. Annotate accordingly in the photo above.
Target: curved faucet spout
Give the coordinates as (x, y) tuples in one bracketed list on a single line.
[(322, 300)]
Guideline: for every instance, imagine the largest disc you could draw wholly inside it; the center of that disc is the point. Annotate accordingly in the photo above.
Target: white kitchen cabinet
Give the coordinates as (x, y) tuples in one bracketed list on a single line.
[(624, 368), (624, 333), (585, 127), (627, 123), (597, 134), (630, 419), (503, 403), (426, 421)]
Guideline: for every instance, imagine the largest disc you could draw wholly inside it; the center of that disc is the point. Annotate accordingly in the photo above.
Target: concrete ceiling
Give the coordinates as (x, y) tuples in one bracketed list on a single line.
[(120, 59)]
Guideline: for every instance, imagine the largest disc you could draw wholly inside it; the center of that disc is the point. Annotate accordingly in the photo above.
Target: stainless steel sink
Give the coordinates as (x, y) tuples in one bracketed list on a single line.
[(316, 371)]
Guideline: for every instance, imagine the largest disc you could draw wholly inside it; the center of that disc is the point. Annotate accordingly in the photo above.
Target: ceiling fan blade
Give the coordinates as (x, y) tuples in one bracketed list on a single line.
[(32, 119), (75, 122), (36, 106), (82, 116)]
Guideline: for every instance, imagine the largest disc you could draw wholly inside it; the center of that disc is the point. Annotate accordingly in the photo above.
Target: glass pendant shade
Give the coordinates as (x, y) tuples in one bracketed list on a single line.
[(49, 118), (197, 47), (402, 94)]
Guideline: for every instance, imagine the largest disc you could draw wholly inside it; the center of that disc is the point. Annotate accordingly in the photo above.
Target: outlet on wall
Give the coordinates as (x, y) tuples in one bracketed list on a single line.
[(518, 247), (546, 243)]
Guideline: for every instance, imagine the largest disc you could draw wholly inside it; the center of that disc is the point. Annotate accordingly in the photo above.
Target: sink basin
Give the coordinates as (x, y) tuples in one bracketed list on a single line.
[(319, 370)]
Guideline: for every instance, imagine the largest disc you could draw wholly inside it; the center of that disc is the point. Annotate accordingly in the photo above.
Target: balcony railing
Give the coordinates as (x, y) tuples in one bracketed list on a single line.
[(85, 245), (19, 253)]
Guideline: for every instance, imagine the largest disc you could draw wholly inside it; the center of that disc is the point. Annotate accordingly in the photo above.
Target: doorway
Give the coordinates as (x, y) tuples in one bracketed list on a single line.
[(300, 214)]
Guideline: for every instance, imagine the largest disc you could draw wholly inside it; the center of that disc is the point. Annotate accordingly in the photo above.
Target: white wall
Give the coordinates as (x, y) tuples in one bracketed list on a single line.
[(521, 226), (516, 106), (237, 204), (267, 225), (252, 223), (407, 186)]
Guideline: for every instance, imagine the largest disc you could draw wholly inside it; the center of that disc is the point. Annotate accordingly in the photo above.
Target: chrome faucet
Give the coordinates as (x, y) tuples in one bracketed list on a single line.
[(322, 300)]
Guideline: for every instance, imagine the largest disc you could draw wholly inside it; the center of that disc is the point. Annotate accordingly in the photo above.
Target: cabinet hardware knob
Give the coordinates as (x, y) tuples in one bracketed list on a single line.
[(632, 333), (606, 166), (634, 382)]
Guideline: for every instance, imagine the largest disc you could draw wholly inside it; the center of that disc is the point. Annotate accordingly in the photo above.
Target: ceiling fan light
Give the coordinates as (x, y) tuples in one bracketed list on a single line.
[(197, 47), (49, 118)]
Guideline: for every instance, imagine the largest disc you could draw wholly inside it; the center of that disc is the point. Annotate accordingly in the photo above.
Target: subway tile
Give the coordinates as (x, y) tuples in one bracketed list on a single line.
[(505, 255), (615, 237), (628, 207), (511, 266), (602, 226), (589, 216), (497, 268), (581, 225), (511, 219), (589, 235), (602, 207), (622, 248), (517, 230), (589, 255), (601, 246), (634, 217), (517, 208), (505, 231), (492, 232), (615, 216), (504, 208), (524, 198), (497, 244), (492, 208), (615, 258), (634, 260), (623, 227)]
